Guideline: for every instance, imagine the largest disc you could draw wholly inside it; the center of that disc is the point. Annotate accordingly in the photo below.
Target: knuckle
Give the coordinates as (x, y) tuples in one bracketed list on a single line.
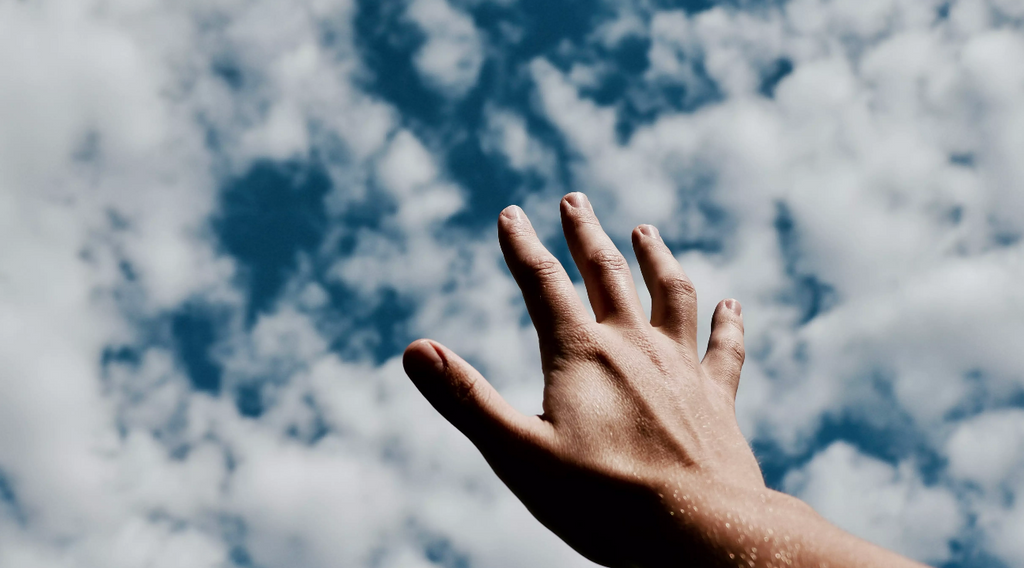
[(609, 260), (579, 336), (737, 324), (544, 267), (577, 341), (730, 347), (677, 285), (468, 391)]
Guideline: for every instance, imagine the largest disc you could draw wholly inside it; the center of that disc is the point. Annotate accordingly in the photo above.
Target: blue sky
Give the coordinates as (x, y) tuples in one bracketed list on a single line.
[(225, 220)]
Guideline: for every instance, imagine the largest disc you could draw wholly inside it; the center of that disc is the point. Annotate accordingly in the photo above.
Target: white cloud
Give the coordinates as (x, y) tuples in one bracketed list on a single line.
[(988, 452), (406, 166), (453, 53), (507, 134), (887, 505)]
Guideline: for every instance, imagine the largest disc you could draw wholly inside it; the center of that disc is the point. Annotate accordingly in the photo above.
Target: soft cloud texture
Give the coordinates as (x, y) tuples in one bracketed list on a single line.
[(223, 220), (887, 505), (452, 52)]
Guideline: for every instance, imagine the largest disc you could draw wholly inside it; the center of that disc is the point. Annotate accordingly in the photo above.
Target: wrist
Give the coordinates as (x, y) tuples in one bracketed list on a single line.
[(722, 524), (757, 527)]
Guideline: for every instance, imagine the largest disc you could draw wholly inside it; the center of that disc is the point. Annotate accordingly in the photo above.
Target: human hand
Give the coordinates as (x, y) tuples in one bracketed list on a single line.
[(629, 409), (637, 459)]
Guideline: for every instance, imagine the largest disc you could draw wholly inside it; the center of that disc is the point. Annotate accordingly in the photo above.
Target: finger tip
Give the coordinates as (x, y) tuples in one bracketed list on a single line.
[(512, 213), (417, 345), (422, 355), (574, 200), (648, 231), (563, 206), (733, 305)]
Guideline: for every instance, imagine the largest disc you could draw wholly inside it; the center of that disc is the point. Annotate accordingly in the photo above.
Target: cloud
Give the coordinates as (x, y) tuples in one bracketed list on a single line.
[(987, 452), (453, 51), (887, 505)]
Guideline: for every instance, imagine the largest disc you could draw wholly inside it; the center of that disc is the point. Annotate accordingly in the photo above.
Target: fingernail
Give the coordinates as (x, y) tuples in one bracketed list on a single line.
[(426, 359), (734, 306), (576, 199), (512, 213), (650, 231)]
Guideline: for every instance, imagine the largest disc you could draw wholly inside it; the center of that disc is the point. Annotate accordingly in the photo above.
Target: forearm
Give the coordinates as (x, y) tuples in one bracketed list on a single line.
[(763, 529)]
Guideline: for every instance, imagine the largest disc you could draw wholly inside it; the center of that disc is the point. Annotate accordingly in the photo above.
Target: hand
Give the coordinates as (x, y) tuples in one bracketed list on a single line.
[(637, 459), (629, 410)]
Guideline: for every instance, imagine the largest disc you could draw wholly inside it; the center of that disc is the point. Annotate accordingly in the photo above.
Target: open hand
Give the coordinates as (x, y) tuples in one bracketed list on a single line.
[(637, 459), (630, 412)]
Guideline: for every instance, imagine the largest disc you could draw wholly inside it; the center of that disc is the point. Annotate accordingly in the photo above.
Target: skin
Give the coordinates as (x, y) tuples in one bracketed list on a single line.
[(637, 459)]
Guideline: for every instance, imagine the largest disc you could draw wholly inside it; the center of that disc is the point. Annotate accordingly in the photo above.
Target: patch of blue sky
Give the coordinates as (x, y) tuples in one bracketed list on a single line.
[(373, 327), (808, 291), (980, 396), (773, 74), (880, 428), (234, 533), (267, 218), (441, 552), (9, 504), (967, 549), (886, 433), (712, 226), (968, 553), (240, 557), (620, 83), (894, 440), (388, 43), (230, 72), (248, 398), (1004, 234), (560, 32), (195, 332), (942, 12)]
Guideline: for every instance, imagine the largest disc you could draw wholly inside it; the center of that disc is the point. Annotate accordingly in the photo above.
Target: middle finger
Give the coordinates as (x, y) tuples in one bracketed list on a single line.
[(605, 271)]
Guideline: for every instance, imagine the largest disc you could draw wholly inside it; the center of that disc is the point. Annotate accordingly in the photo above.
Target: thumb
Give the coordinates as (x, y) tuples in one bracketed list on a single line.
[(461, 394)]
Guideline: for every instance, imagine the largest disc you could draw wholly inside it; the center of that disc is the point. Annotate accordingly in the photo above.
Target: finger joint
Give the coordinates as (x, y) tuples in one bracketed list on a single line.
[(608, 260), (677, 285), (731, 347), (545, 267)]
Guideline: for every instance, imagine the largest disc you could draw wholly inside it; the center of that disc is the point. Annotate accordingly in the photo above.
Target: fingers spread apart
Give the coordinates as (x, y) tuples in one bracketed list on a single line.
[(725, 354), (673, 298), (605, 271)]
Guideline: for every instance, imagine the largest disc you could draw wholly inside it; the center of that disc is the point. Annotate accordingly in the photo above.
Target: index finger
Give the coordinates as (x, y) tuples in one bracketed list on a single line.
[(550, 296)]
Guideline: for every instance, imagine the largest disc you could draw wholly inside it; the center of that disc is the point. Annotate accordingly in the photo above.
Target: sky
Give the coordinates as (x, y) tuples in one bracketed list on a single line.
[(223, 220)]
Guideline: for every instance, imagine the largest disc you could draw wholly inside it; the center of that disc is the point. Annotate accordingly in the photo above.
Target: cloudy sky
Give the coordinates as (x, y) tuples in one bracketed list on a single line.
[(222, 220)]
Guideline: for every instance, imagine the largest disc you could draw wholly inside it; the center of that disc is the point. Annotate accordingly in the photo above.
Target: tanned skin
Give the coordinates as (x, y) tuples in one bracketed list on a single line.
[(637, 460)]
